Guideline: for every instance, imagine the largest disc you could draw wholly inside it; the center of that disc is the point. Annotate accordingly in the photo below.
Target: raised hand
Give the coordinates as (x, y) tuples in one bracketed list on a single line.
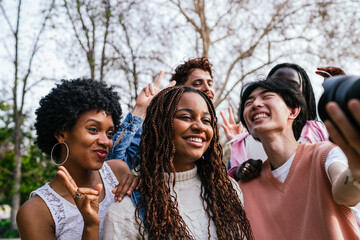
[(126, 185), (147, 94), (86, 199), (231, 129), (327, 72), (345, 134)]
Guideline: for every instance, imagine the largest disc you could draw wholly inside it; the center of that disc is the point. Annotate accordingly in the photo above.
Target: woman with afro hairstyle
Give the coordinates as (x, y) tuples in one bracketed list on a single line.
[(75, 124), (185, 191)]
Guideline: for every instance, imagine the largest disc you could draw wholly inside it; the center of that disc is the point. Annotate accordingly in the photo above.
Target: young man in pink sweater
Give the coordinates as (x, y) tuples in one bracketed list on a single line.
[(304, 190)]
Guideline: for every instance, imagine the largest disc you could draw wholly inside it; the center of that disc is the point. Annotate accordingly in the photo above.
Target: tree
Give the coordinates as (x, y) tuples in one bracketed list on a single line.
[(20, 87)]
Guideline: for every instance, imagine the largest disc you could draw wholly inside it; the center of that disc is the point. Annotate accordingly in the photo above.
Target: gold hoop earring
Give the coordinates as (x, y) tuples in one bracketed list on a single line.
[(67, 153)]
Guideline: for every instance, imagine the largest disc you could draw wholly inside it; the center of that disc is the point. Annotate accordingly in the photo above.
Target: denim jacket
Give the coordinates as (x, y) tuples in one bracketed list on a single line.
[(126, 147)]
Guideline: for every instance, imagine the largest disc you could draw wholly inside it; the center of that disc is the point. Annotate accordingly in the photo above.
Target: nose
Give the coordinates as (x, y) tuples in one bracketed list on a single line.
[(104, 140), (256, 103), (205, 88), (199, 126)]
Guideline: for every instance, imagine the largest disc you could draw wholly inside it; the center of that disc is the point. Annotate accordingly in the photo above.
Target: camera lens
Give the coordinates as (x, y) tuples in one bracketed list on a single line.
[(340, 89)]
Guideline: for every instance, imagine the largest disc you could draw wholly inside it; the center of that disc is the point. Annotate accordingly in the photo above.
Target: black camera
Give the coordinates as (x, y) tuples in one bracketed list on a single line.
[(340, 89)]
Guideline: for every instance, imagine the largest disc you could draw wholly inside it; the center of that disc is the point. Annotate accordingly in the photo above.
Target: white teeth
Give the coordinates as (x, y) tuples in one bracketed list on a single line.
[(199, 140), (261, 115)]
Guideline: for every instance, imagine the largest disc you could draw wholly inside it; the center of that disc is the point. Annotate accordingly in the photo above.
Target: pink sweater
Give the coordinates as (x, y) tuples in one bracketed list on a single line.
[(302, 207), (312, 132)]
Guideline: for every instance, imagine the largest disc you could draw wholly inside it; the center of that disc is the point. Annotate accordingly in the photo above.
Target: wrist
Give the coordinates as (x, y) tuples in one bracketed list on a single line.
[(350, 179), (139, 111)]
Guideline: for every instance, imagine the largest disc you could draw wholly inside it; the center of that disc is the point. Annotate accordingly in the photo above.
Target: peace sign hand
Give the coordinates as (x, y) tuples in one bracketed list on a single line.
[(86, 199), (147, 94)]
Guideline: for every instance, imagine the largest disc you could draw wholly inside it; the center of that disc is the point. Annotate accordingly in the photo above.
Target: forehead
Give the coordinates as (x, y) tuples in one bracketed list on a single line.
[(192, 100), (198, 73), (287, 73)]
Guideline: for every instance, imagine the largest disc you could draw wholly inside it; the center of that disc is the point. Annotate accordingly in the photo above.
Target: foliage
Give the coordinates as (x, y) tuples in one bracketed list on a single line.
[(6, 232), (36, 167)]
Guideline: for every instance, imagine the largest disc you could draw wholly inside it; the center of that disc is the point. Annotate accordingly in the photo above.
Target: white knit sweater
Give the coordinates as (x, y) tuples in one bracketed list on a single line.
[(120, 220)]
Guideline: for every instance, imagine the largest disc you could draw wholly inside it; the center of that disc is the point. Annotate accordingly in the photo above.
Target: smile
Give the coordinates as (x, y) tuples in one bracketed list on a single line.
[(198, 140), (260, 115)]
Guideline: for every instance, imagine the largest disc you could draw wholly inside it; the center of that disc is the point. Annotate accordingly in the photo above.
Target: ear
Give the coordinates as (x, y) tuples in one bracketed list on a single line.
[(61, 136), (294, 112)]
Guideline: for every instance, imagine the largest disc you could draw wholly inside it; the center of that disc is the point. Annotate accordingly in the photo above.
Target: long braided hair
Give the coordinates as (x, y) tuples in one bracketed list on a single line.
[(157, 148)]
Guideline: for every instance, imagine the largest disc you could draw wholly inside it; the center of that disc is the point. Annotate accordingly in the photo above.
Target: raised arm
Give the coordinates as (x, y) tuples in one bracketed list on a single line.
[(345, 180)]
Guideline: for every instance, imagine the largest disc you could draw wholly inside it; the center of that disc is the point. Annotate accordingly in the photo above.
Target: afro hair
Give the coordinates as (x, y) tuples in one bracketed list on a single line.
[(60, 109)]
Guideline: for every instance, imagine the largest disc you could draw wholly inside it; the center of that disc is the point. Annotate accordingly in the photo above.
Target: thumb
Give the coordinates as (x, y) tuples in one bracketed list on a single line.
[(98, 187)]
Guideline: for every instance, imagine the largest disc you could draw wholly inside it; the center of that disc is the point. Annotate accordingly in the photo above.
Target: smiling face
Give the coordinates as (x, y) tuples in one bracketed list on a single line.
[(192, 131), (90, 139), (202, 81), (266, 112)]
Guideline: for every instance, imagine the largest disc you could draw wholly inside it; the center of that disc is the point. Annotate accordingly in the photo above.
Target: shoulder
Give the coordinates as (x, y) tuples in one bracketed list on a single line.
[(34, 219), (118, 167)]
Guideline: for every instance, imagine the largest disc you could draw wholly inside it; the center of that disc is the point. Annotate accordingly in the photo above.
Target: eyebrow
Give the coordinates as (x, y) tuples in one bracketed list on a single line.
[(190, 110), (95, 121), (261, 93)]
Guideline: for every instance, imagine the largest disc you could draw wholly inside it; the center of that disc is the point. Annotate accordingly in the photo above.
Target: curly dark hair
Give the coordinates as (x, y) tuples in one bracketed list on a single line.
[(288, 91), (60, 109), (307, 90), (157, 149), (183, 71)]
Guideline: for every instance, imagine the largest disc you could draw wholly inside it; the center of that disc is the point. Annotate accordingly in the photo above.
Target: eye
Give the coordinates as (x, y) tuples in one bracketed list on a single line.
[(196, 84), (93, 129), (110, 134), (249, 102), (210, 83), (185, 117), (268, 95), (206, 120)]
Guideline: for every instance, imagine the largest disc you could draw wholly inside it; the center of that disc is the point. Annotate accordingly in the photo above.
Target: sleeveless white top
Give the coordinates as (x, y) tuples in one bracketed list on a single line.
[(69, 223)]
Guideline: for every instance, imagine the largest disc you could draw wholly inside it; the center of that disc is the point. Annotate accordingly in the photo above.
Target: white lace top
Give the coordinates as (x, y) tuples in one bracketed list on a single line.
[(120, 220), (69, 223)]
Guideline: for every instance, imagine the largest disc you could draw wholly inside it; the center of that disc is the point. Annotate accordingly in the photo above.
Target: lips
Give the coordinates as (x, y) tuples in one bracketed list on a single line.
[(101, 153)]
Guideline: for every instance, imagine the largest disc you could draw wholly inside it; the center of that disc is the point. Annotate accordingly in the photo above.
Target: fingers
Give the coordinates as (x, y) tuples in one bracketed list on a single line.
[(342, 131), (231, 116), (159, 79), (127, 184), (224, 119), (68, 180), (249, 170)]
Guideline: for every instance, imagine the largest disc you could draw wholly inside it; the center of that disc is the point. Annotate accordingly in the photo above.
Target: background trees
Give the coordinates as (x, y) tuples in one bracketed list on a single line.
[(126, 43)]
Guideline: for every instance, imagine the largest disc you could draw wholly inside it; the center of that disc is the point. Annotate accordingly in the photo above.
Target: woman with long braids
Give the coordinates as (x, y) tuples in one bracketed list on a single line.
[(185, 191)]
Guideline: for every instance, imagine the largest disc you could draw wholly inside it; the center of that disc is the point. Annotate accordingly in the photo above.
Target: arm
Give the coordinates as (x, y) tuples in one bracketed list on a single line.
[(126, 144), (346, 180), (40, 227)]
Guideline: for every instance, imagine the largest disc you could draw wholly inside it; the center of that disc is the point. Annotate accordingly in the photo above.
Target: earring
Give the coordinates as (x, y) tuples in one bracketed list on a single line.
[(67, 153)]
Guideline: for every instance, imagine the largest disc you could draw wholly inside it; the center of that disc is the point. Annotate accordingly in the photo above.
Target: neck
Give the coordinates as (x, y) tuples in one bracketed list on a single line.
[(279, 148)]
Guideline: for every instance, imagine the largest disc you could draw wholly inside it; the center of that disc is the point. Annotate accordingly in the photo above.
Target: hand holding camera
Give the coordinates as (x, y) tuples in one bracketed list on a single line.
[(339, 108)]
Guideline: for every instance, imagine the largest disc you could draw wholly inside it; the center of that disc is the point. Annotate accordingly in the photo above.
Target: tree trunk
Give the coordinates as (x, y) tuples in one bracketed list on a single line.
[(15, 201)]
